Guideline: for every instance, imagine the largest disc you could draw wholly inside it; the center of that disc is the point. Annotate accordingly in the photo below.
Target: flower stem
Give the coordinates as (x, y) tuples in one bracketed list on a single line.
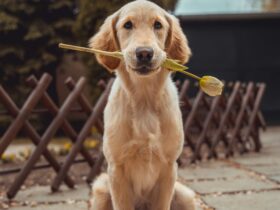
[(119, 55), (85, 49), (189, 74)]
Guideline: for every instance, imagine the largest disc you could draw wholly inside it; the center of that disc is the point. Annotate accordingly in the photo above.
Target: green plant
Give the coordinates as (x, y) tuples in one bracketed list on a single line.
[(29, 33)]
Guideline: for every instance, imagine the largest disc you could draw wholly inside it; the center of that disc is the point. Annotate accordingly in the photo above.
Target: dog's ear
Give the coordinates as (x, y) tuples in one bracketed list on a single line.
[(176, 43), (106, 40)]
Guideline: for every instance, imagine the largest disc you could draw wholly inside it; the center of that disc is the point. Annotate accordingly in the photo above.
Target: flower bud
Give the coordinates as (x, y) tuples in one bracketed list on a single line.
[(211, 85)]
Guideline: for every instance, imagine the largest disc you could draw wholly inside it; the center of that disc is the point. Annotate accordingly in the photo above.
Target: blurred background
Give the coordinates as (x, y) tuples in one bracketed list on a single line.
[(233, 40)]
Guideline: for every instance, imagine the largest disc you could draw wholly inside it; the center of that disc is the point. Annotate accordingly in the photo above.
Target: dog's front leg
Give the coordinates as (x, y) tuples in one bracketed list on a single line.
[(121, 192), (163, 193)]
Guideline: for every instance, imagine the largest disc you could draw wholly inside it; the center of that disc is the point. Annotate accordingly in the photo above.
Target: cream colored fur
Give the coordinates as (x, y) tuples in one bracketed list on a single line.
[(143, 134)]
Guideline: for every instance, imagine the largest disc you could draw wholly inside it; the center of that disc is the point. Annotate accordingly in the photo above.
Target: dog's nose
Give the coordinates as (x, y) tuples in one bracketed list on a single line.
[(144, 54)]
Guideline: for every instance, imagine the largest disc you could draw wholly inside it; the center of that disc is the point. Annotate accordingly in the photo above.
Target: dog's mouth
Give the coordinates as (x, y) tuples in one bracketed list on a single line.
[(144, 69)]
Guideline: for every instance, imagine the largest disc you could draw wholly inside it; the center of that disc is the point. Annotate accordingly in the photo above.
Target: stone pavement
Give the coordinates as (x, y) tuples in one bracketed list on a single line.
[(40, 197), (249, 182)]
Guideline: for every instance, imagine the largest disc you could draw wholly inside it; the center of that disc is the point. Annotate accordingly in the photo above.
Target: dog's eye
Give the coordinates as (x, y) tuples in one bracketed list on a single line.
[(128, 25), (157, 25)]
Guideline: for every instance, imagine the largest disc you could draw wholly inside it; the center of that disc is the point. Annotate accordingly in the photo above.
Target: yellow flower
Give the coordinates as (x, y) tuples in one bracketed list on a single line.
[(67, 146), (211, 85), (64, 149), (8, 158), (91, 143)]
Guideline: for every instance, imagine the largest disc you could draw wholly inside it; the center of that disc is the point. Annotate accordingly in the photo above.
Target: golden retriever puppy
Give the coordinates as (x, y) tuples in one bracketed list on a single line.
[(143, 134)]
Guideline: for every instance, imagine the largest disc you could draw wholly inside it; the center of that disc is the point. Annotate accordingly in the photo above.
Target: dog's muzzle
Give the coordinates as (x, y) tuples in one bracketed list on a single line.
[(144, 57)]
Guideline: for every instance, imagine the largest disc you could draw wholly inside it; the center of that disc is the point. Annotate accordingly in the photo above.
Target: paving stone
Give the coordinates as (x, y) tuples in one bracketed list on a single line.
[(271, 136), (213, 170), (254, 201), (268, 170), (55, 206), (262, 158), (209, 177), (269, 153), (230, 185), (44, 194), (276, 178)]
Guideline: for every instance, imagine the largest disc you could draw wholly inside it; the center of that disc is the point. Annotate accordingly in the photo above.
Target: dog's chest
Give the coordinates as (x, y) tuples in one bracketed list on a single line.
[(143, 167), (142, 137), (144, 155)]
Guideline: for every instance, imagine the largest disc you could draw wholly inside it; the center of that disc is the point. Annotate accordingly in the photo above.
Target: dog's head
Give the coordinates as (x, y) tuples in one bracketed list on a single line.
[(145, 34)]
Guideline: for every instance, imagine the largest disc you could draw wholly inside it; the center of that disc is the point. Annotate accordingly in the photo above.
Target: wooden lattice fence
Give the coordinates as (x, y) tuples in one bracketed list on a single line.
[(233, 119)]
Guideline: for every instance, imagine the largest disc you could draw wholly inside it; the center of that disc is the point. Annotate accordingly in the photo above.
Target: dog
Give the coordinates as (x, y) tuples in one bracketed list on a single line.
[(143, 129)]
